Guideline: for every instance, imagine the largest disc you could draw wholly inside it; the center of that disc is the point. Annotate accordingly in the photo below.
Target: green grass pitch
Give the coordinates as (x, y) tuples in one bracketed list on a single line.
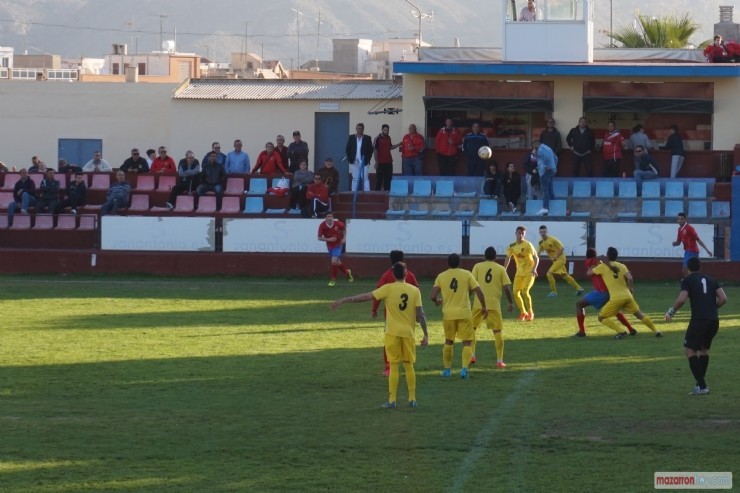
[(133, 384)]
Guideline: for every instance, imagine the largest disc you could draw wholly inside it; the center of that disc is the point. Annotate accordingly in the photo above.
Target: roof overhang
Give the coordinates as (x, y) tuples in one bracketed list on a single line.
[(649, 105), (487, 104)]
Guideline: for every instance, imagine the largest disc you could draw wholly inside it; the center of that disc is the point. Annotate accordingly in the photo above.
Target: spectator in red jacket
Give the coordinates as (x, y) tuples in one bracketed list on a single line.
[(163, 163), (717, 52), (317, 198), (447, 144), (269, 161), (612, 150)]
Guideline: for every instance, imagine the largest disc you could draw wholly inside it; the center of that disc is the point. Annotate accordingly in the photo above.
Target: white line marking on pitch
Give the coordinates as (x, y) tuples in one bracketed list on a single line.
[(480, 444)]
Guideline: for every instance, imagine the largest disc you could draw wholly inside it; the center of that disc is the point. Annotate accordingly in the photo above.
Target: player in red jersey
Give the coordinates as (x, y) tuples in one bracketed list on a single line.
[(334, 233), (687, 235), (596, 298), (388, 278)]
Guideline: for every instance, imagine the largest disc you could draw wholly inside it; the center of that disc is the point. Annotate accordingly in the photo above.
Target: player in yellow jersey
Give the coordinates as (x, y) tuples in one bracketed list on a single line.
[(455, 284), (527, 260), (618, 281), (556, 252), (403, 309), (493, 280)]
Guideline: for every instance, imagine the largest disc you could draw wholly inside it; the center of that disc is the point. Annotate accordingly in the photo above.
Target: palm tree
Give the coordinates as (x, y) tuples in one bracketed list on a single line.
[(657, 32)]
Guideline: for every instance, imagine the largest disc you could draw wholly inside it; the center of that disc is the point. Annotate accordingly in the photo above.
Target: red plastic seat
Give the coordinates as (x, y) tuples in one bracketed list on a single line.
[(44, 221), (66, 221), (5, 199), (139, 202), (144, 183), (166, 183), (230, 205), (10, 180), (185, 203), (87, 222), (234, 186), (206, 205), (22, 221), (100, 181)]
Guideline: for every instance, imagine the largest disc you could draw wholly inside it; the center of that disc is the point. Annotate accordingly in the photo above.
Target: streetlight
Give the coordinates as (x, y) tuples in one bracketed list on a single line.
[(318, 34), (419, 15), (298, 15)]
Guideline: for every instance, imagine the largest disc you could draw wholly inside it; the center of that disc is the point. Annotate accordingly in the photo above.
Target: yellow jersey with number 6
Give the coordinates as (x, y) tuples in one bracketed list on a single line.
[(401, 300), (492, 278)]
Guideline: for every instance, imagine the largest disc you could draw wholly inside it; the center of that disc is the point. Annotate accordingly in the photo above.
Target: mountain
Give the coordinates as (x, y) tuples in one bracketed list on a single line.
[(74, 28)]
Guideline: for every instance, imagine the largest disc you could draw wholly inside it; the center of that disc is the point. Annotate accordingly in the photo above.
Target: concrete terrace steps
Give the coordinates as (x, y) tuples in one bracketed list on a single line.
[(370, 205)]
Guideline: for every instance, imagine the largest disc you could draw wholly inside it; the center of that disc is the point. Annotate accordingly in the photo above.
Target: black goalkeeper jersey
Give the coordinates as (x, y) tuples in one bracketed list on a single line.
[(702, 291)]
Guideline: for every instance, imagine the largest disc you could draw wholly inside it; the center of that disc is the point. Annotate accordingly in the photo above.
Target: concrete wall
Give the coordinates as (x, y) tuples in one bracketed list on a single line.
[(37, 114)]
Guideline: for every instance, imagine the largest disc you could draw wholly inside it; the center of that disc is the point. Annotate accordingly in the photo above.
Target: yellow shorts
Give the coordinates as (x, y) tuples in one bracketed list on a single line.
[(400, 349), (558, 266), (612, 307), (523, 283), (493, 321), (462, 328)]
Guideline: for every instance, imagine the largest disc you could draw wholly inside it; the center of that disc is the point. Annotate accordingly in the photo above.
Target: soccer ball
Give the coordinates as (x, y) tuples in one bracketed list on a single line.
[(485, 152)]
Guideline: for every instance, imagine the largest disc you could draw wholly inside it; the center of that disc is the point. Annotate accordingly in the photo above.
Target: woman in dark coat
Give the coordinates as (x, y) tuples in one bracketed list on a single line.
[(512, 186)]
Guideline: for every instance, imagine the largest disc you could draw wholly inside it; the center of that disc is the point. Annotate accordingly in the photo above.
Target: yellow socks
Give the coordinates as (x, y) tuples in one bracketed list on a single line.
[(498, 341), (410, 380), (447, 356), (467, 352), (551, 281), (572, 282), (393, 383), (612, 324), (647, 321)]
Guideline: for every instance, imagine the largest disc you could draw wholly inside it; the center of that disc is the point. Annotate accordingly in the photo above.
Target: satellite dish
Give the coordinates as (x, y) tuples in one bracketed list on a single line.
[(168, 46)]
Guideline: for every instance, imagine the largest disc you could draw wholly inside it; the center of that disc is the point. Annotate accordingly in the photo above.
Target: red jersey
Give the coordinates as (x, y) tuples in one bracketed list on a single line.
[(612, 145), (687, 235), (388, 278), (383, 146), (596, 279), (318, 191), (166, 165), (336, 230), (447, 142), (412, 145), (269, 164)]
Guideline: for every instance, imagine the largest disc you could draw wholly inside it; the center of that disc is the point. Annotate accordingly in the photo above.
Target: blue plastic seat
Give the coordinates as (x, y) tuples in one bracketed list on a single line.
[(254, 205), (650, 190), (697, 190), (673, 207), (444, 189), (464, 213), (604, 189), (720, 208), (533, 207), (697, 209), (558, 208), (674, 190), (651, 208), (627, 190), (257, 186), (395, 213), (581, 189), (560, 189), (399, 188), (488, 208), (422, 188)]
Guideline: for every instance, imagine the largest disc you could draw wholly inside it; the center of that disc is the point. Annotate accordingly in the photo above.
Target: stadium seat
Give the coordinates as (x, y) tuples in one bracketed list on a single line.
[(444, 189), (442, 213), (399, 188), (254, 205), (581, 189), (560, 189), (674, 190), (627, 190), (422, 188), (488, 208), (464, 213), (21, 221), (650, 208), (230, 205), (276, 211), (100, 181), (234, 186), (673, 207), (87, 222), (139, 202), (62, 179), (66, 221), (604, 189), (650, 190), (626, 215), (697, 209), (36, 178), (414, 208), (558, 208), (144, 183), (184, 204), (10, 180), (257, 186), (43, 221), (697, 190), (532, 207), (5, 199), (206, 204), (166, 183), (580, 214), (720, 209), (3, 221), (395, 213)]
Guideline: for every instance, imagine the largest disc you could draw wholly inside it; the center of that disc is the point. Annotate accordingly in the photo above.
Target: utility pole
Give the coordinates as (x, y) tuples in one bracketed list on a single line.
[(318, 34), (298, 15), (162, 17), (419, 15)]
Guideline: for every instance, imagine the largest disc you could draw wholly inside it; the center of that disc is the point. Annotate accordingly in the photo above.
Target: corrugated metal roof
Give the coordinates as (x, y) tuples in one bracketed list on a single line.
[(287, 90)]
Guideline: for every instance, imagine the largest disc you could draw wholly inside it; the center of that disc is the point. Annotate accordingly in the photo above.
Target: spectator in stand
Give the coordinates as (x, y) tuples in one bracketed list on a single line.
[(612, 150), (646, 168), (301, 180), (531, 186), (470, 146), (717, 52), (639, 138), (359, 151), (37, 166), (3, 168), (530, 12), (163, 163), (118, 194), (317, 199), (237, 161), (330, 176), (547, 168), (220, 156), (76, 194), (447, 144), (97, 164), (48, 193), (582, 143), (492, 185), (282, 149), (512, 187), (268, 162), (65, 167), (412, 153), (151, 155), (212, 179), (297, 150), (383, 146), (550, 136), (24, 194), (135, 164), (188, 178), (675, 145)]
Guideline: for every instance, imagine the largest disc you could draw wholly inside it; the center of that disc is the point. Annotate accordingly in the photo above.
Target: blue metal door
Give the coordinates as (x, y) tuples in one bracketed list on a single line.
[(79, 151), (332, 131)]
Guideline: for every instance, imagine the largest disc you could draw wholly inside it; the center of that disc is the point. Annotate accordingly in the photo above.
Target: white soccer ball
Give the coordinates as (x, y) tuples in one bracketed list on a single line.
[(485, 152)]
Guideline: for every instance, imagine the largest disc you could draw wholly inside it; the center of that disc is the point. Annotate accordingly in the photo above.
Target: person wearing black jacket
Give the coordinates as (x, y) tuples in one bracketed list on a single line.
[(359, 152), (24, 194), (135, 164), (48, 193), (531, 177), (76, 194), (675, 145), (582, 143)]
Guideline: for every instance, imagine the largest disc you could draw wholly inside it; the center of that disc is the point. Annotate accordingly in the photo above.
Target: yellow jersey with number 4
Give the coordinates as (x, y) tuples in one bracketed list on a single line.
[(456, 285), (401, 300)]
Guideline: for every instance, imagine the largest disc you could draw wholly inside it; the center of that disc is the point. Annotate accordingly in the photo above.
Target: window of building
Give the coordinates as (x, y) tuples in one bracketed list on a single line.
[(116, 69)]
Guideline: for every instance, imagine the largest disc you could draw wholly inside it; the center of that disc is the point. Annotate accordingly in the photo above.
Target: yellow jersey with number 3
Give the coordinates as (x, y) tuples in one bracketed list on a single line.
[(616, 284), (456, 285), (492, 278), (401, 300)]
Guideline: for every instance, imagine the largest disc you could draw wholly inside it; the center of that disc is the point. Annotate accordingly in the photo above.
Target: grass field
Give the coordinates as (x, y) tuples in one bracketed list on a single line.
[(210, 385)]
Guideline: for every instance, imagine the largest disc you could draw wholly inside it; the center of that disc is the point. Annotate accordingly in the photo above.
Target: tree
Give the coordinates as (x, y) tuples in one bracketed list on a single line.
[(657, 32)]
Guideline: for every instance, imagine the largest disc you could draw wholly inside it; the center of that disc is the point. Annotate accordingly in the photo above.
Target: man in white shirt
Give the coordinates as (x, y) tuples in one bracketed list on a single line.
[(97, 163), (359, 153)]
